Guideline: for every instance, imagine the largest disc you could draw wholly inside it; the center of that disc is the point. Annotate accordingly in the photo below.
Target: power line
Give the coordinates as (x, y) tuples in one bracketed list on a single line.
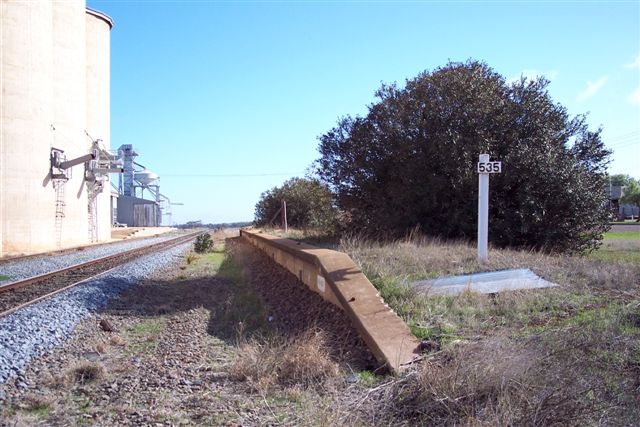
[(237, 175), (622, 140), (628, 144), (624, 135)]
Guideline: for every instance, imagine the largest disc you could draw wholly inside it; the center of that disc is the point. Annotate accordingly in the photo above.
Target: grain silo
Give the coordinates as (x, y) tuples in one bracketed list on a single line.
[(55, 104), (98, 48)]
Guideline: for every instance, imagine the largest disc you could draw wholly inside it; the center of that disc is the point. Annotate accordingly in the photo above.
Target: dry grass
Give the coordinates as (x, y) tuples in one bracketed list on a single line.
[(563, 356), (296, 363), (496, 382), (87, 372), (584, 374), (584, 284), (426, 258), (117, 340)]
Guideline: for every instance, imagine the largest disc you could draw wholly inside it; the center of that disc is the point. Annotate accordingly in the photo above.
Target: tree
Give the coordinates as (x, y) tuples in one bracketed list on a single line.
[(412, 161), (620, 179), (309, 205), (631, 194)]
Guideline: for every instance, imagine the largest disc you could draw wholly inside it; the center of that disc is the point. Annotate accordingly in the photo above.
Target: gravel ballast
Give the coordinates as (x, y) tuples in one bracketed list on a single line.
[(33, 331), (20, 269)]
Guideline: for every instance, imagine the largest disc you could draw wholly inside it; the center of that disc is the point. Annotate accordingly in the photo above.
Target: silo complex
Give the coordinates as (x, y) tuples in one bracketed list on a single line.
[(55, 95)]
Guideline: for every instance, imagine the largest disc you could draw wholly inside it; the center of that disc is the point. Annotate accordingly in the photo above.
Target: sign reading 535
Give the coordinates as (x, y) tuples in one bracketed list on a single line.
[(489, 167)]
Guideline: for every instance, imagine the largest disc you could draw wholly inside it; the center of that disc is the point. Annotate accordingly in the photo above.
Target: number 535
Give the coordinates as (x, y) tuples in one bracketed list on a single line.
[(490, 167)]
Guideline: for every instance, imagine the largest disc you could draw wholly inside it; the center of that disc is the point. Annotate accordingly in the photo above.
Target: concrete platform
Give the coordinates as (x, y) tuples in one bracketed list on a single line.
[(337, 279), (483, 283), (122, 233)]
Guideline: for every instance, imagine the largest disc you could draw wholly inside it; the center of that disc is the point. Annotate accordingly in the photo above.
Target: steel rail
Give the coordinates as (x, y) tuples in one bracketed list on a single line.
[(49, 295), (131, 253)]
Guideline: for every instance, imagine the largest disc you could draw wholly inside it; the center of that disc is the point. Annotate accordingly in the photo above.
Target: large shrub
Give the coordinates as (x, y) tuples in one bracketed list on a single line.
[(412, 162)]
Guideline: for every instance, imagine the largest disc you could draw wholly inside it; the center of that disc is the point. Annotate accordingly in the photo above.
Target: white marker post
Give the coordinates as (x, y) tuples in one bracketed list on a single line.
[(485, 167), (285, 226)]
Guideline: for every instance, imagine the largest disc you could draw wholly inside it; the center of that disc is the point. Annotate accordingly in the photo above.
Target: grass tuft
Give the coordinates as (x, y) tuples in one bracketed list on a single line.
[(302, 362), (87, 372)]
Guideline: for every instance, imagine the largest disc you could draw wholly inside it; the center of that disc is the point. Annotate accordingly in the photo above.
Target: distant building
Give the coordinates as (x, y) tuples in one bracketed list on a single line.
[(192, 224), (620, 210)]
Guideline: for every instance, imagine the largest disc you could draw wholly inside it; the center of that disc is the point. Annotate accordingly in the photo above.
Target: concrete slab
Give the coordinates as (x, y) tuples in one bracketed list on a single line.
[(484, 283)]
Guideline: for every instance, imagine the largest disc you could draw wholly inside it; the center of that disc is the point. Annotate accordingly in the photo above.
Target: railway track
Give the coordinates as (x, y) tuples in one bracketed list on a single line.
[(54, 253), (19, 294)]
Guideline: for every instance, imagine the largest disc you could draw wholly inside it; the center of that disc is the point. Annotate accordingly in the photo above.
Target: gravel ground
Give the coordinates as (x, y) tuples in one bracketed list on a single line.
[(33, 331), (22, 269), (169, 358)]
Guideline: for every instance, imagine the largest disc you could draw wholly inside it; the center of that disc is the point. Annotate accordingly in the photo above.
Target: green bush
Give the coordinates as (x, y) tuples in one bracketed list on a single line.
[(411, 162), (203, 243)]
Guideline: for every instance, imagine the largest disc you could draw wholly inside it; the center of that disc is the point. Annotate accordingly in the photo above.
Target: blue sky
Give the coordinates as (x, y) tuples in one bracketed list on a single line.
[(225, 100)]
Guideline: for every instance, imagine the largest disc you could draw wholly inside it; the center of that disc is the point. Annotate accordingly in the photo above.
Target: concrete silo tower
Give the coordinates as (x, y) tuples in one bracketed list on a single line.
[(98, 119), (55, 92)]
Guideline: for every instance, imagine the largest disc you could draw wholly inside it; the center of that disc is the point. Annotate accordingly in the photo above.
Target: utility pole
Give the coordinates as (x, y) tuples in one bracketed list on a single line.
[(610, 189)]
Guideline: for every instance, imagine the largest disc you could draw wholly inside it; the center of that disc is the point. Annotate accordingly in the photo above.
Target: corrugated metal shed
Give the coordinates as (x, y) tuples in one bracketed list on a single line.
[(136, 212)]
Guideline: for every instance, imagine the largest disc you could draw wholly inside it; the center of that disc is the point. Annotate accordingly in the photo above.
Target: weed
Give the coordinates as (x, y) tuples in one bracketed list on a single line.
[(206, 263), (203, 243), (191, 257), (87, 372), (3, 277), (231, 269), (368, 378), (420, 332)]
